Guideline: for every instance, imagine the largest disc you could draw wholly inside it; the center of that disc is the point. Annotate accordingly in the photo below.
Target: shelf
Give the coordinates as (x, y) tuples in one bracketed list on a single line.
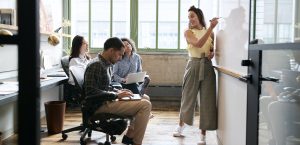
[(15, 28), (9, 27)]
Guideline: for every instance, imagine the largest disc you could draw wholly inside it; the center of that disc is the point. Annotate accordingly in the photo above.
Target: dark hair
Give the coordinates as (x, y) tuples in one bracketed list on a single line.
[(131, 42), (113, 42), (199, 14), (76, 45)]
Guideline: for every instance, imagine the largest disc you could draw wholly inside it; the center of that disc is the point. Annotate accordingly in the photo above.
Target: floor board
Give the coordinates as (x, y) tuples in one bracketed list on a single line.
[(159, 132)]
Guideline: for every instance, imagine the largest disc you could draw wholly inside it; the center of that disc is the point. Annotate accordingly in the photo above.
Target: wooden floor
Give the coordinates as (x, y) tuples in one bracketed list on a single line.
[(159, 132)]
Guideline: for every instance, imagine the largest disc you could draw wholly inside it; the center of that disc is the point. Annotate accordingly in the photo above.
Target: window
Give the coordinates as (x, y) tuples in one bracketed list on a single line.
[(153, 24), (184, 7), (121, 18), (79, 18), (168, 24), (147, 24), (275, 21), (100, 22)]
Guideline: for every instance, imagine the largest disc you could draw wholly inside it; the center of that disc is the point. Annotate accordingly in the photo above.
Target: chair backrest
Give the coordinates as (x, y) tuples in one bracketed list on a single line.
[(78, 75), (78, 80), (65, 64)]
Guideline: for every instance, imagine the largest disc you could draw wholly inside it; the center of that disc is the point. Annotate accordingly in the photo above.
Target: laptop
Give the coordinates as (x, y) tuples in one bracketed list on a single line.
[(135, 77), (135, 97)]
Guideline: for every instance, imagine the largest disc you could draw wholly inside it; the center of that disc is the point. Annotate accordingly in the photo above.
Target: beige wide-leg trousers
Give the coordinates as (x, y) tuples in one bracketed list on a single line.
[(199, 78), (140, 110)]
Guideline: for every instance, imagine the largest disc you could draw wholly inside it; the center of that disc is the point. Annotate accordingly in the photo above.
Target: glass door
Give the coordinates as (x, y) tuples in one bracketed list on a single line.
[(273, 98)]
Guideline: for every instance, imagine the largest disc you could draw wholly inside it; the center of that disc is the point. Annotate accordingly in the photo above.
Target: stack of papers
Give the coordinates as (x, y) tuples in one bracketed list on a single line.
[(135, 77), (9, 88)]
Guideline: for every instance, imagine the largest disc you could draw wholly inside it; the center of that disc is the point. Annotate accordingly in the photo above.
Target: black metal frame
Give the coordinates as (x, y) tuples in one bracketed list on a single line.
[(28, 41), (253, 91), (29, 72)]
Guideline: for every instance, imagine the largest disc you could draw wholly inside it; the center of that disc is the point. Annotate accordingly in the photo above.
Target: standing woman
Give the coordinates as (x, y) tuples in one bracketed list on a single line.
[(131, 63), (199, 76), (79, 55)]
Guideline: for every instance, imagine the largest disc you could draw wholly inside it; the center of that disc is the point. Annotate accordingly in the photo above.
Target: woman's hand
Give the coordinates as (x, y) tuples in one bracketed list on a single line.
[(124, 80), (211, 54), (213, 22)]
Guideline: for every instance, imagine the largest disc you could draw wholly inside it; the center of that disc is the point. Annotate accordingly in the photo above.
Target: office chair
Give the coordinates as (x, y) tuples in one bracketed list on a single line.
[(65, 64), (109, 124), (70, 93)]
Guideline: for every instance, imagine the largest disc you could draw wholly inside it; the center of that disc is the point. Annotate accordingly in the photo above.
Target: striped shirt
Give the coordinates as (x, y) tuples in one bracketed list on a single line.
[(126, 66)]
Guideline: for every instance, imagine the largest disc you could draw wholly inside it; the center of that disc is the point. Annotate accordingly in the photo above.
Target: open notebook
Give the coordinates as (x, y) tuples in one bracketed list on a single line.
[(135, 97), (135, 77)]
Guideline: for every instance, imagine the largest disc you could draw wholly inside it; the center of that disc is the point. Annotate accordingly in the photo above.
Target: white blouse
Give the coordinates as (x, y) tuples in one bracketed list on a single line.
[(81, 62)]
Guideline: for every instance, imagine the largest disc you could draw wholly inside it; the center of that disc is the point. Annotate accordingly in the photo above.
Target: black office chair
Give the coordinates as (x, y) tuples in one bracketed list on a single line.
[(65, 64), (70, 93), (109, 124)]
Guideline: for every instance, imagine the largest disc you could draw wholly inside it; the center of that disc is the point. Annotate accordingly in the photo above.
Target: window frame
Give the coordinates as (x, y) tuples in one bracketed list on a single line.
[(134, 21)]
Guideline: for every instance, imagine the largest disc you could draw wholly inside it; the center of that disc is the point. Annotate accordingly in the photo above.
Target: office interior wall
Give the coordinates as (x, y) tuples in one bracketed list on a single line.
[(165, 69), (9, 55), (50, 55)]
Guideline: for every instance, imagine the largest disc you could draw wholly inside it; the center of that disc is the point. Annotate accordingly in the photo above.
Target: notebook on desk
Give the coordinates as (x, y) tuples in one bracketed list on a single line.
[(135, 97), (135, 77)]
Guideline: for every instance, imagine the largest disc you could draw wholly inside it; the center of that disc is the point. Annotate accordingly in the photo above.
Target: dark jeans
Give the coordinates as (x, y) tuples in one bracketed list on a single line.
[(132, 87), (135, 87)]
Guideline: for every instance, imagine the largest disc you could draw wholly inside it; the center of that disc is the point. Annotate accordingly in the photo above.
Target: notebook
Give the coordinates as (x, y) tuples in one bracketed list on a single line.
[(135, 77), (135, 97)]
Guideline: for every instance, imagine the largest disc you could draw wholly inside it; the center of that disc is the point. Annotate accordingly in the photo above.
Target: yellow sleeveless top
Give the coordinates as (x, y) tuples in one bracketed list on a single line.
[(195, 51)]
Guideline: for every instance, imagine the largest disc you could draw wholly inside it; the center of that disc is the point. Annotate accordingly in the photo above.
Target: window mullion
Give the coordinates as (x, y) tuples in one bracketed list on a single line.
[(178, 36), (134, 21), (111, 18), (156, 34), (89, 21)]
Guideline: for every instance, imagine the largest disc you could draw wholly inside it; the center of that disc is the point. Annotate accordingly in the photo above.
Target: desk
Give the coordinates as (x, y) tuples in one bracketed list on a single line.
[(46, 84)]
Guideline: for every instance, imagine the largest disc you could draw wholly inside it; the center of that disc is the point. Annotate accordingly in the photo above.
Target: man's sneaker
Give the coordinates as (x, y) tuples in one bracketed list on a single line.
[(178, 131), (202, 140)]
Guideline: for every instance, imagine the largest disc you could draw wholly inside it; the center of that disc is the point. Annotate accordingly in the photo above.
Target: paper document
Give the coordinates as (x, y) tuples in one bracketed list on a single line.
[(8, 88), (135, 97), (135, 77)]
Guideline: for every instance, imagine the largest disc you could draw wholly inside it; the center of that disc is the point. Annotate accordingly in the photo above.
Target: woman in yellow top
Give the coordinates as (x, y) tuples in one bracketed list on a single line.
[(199, 76)]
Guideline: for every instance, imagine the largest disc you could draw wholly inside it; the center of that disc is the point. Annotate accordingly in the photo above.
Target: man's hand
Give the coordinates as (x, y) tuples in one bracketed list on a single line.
[(124, 93)]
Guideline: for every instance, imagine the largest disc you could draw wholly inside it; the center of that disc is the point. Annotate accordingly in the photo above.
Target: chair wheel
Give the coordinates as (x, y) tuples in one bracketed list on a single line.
[(82, 142), (113, 138), (107, 143), (64, 136), (90, 134)]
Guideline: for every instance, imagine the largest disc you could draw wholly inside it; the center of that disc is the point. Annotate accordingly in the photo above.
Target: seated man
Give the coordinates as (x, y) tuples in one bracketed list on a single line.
[(97, 84)]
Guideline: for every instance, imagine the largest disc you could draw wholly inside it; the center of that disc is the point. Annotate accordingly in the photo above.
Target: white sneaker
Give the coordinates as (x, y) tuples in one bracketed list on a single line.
[(178, 131), (202, 140)]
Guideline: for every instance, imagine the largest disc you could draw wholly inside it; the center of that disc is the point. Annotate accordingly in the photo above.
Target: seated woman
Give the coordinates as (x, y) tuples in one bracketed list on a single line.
[(78, 59), (130, 63), (78, 56)]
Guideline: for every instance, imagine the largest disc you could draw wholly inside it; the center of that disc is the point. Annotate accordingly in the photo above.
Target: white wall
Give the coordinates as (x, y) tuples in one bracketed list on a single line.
[(165, 69), (231, 47)]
